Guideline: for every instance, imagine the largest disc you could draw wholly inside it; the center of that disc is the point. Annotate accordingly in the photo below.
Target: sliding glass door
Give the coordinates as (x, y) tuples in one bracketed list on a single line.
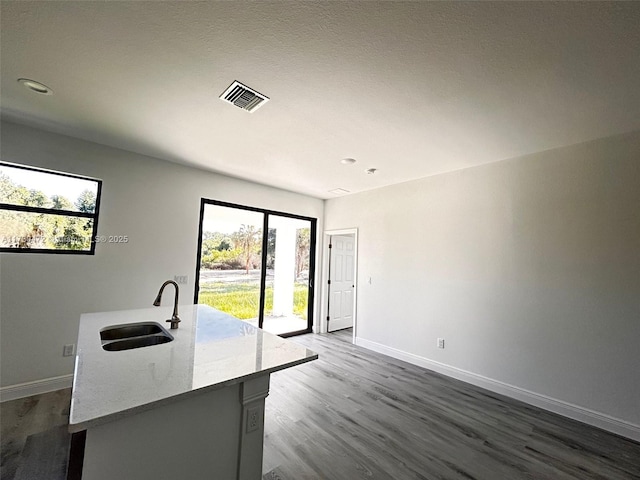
[(257, 265)]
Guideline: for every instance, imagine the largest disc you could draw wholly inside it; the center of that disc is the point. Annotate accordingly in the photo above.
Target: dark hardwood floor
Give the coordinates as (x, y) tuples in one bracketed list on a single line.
[(357, 414)]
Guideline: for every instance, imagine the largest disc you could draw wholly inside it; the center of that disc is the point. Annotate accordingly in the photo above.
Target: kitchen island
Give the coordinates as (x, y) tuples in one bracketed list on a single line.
[(191, 408)]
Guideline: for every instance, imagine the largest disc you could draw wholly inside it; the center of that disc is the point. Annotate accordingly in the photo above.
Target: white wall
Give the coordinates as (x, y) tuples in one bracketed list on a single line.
[(155, 203), (528, 268)]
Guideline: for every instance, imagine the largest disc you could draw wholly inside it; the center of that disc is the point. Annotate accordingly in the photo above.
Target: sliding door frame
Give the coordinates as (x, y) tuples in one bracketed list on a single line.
[(263, 271)]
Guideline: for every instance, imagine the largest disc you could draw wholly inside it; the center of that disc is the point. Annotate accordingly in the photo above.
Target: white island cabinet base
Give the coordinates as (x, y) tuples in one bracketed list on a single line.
[(204, 415)]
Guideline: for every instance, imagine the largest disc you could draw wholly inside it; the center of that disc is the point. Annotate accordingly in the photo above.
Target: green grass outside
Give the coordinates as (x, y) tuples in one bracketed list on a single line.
[(242, 299)]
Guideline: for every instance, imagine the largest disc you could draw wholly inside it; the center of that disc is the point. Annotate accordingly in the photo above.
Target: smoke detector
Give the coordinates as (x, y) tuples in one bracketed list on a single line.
[(244, 97)]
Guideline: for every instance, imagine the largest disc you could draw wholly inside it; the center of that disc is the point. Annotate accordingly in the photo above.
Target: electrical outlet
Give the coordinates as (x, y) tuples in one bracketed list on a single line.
[(69, 350), (253, 419), (441, 343), (181, 279)]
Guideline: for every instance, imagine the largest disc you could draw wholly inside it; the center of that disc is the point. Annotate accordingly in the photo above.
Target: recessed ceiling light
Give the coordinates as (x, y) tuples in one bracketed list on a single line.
[(339, 191), (348, 161), (36, 87), (371, 171)]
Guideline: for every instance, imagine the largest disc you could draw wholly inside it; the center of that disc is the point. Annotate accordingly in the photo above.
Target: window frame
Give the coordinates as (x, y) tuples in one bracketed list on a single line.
[(52, 211), (263, 274)]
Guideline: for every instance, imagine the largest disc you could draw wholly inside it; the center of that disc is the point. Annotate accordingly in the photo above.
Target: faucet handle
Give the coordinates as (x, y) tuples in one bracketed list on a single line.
[(174, 321)]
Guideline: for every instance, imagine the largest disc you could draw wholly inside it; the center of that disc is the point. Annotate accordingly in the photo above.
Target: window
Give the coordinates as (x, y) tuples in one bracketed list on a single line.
[(42, 211)]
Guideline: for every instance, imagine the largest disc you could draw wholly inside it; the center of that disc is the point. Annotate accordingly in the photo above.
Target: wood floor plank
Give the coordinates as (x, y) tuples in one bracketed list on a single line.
[(34, 438), (45, 455)]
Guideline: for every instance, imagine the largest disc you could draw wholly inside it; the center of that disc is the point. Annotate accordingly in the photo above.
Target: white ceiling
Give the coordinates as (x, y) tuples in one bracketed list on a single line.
[(412, 89)]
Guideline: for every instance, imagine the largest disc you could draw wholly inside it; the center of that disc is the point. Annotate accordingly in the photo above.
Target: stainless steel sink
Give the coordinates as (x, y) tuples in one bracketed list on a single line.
[(135, 342), (133, 335), (130, 330)]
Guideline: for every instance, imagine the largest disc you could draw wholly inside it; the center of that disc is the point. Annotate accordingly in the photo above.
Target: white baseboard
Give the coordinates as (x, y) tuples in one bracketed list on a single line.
[(590, 417), (13, 392)]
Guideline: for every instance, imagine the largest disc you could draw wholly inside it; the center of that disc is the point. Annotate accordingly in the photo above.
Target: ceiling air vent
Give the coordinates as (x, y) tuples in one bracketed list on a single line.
[(244, 97)]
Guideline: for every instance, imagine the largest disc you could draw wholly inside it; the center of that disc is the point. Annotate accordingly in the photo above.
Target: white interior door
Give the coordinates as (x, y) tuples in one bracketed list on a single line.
[(341, 282)]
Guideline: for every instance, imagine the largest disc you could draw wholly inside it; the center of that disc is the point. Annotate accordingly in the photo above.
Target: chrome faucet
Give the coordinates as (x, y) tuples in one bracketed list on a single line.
[(175, 320)]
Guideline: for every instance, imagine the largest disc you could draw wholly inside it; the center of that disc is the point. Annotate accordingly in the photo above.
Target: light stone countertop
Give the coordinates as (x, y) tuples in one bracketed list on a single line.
[(211, 349)]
